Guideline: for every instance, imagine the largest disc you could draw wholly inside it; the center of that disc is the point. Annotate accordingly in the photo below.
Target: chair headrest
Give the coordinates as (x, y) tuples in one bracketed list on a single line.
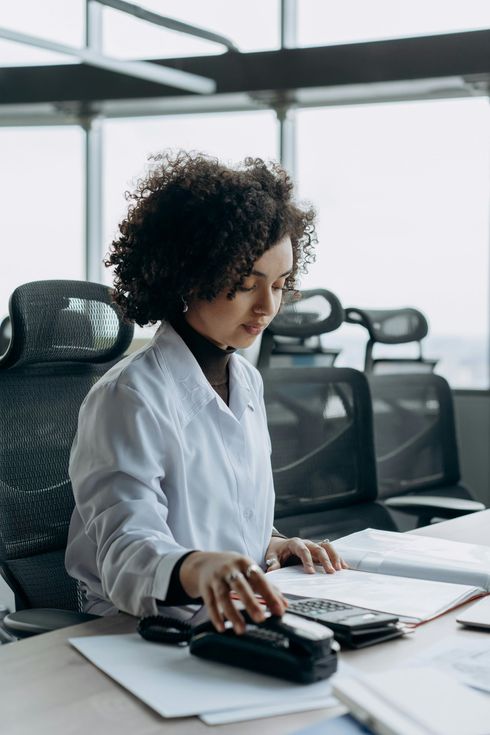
[(390, 326), (315, 311), (60, 321)]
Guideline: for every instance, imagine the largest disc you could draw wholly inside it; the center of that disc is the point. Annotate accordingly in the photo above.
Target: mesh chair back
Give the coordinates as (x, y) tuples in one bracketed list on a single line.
[(415, 433), (293, 338), (320, 423), (65, 335), (5, 334), (392, 326)]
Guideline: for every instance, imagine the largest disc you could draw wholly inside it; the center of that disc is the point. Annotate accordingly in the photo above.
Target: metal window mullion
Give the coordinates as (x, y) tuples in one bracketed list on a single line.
[(93, 131), (93, 199), (286, 115)]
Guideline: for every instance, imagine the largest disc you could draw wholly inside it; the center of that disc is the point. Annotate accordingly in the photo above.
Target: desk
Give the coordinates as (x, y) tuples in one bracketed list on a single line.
[(46, 687)]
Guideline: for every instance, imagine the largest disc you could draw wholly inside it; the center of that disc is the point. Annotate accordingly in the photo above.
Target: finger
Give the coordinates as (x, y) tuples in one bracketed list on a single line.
[(344, 564), (214, 612), (222, 593), (247, 596), (302, 551), (321, 557), (274, 599), (332, 554), (272, 563)]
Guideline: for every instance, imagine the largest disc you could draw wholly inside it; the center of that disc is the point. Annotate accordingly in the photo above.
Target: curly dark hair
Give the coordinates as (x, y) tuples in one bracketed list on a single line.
[(196, 227)]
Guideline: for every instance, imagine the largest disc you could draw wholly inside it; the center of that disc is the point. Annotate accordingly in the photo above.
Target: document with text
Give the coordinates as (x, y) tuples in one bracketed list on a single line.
[(413, 577)]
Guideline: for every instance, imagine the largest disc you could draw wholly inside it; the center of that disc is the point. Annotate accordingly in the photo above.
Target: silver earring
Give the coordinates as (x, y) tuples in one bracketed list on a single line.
[(185, 306)]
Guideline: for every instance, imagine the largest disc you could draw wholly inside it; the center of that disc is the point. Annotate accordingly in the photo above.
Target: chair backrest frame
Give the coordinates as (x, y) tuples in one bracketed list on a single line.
[(346, 445), (42, 386)]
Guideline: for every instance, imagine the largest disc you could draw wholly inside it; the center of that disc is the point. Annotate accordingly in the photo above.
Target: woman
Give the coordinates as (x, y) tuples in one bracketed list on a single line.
[(171, 463)]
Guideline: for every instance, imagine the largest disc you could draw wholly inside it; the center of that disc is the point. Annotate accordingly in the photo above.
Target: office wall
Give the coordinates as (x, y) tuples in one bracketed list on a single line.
[(473, 425)]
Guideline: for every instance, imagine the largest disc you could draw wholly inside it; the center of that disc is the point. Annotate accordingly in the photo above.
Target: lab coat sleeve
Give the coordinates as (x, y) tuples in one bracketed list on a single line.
[(117, 472)]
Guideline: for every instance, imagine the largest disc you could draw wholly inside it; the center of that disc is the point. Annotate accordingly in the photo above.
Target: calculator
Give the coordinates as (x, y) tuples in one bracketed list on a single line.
[(355, 627)]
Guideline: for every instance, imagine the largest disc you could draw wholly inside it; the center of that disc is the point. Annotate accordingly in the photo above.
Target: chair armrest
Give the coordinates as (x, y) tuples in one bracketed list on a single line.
[(24, 623), (433, 505)]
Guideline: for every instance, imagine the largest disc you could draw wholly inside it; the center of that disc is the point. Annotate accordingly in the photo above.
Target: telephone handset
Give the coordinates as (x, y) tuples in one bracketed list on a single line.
[(289, 647)]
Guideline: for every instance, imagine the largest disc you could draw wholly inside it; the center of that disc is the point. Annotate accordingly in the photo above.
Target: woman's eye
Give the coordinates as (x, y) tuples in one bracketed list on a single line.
[(279, 288), (245, 288)]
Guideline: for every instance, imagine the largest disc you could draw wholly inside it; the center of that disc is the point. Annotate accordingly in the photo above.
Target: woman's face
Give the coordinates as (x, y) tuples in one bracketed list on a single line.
[(239, 321)]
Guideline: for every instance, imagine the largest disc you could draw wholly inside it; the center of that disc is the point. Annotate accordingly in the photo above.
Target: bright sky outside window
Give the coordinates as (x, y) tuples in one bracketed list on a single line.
[(352, 21), (402, 192), (251, 25), (41, 196), (56, 20)]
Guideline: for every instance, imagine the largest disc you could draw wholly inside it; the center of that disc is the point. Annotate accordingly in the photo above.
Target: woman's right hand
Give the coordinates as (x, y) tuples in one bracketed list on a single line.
[(213, 575)]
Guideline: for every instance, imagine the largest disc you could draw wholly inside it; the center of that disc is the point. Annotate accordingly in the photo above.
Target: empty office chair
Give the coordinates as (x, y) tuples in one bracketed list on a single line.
[(320, 423), (392, 326), (65, 335), (416, 447), (294, 336)]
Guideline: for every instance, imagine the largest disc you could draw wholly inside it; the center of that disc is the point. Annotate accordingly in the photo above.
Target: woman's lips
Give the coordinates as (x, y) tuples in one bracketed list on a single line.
[(254, 329)]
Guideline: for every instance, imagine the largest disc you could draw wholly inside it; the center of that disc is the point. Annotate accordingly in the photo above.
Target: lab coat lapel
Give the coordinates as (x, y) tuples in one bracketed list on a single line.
[(240, 392), (192, 388)]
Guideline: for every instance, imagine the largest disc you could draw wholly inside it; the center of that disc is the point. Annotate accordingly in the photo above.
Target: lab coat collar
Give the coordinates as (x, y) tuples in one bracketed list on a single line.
[(192, 387)]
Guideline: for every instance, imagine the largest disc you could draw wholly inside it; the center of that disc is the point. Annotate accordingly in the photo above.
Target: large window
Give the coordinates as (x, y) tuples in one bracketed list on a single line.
[(322, 23), (54, 20), (402, 192), (41, 205), (251, 25)]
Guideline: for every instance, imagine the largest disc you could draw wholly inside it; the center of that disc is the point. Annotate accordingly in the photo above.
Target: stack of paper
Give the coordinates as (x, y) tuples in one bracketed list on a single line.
[(175, 684), (415, 701)]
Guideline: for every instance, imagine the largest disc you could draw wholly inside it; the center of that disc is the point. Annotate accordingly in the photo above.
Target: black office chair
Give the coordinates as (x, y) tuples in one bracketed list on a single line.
[(5, 334), (392, 326), (65, 335), (320, 422), (293, 338), (416, 447)]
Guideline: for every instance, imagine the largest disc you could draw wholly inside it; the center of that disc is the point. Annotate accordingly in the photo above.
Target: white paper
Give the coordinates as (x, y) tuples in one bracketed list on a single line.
[(423, 557), (416, 700), (413, 600), (468, 659), (478, 615), (271, 710), (175, 684)]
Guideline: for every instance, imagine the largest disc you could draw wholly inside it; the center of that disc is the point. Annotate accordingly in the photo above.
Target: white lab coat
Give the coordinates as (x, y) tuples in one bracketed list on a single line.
[(161, 465)]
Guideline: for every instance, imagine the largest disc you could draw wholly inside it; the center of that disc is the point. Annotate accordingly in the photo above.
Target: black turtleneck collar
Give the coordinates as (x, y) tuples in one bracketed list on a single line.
[(213, 360)]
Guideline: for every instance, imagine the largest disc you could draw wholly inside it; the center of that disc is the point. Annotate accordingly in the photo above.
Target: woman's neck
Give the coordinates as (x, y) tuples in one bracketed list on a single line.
[(213, 360)]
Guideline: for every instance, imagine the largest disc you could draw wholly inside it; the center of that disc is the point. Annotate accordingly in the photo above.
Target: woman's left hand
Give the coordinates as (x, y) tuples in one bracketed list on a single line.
[(308, 552)]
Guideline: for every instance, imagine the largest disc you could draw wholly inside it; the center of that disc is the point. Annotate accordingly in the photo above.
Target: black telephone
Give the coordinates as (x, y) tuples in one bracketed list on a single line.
[(289, 647)]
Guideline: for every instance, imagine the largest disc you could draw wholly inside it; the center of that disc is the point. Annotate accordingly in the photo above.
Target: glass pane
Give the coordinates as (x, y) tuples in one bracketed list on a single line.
[(322, 23), (251, 26), (402, 192), (41, 195), (55, 20), (129, 142)]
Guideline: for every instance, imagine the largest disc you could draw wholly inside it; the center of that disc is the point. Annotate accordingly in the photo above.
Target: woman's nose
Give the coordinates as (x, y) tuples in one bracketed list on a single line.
[(264, 304)]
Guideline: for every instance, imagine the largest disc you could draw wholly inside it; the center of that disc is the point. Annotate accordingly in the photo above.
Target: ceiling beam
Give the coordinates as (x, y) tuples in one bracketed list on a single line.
[(449, 55)]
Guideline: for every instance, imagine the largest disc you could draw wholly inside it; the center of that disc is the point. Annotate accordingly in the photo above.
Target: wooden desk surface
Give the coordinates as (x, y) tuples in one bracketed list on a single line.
[(46, 687)]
